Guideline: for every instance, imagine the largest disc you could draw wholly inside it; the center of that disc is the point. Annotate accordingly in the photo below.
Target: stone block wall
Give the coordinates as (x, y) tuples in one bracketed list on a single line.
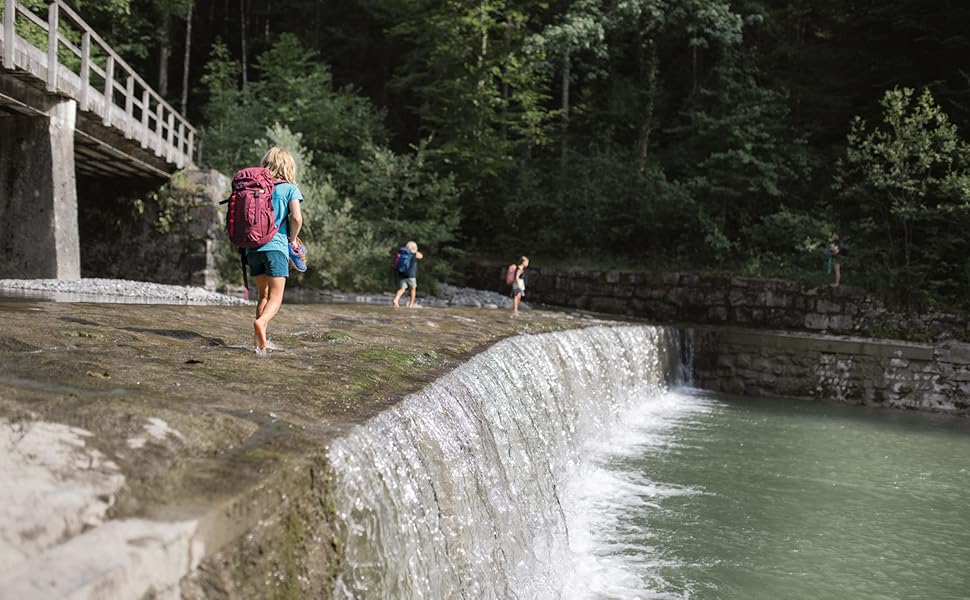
[(168, 235), (668, 297), (933, 377)]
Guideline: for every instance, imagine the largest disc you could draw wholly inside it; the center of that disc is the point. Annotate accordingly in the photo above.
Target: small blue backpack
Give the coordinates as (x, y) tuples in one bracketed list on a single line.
[(403, 260)]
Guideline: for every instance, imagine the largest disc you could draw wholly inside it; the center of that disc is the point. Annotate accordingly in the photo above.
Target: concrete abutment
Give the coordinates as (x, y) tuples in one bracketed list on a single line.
[(38, 193)]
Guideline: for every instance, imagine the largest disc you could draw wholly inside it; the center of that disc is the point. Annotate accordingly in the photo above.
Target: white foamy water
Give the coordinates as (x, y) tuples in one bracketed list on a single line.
[(611, 555), (462, 490)]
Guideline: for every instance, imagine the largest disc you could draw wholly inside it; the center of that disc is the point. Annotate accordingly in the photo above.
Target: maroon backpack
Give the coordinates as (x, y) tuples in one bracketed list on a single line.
[(250, 219), (510, 274)]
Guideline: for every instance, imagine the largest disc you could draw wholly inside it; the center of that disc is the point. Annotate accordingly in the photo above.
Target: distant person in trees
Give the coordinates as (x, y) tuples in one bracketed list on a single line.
[(518, 284), (269, 264), (406, 265), (835, 259)]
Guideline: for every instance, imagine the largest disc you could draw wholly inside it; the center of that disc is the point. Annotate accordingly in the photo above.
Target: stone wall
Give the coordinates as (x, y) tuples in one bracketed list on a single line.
[(763, 303), (167, 235), (874, 372)]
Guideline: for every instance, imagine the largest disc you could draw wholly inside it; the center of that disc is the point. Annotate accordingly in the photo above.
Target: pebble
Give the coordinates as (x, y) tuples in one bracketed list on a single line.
[(123, 290), (114, 290)]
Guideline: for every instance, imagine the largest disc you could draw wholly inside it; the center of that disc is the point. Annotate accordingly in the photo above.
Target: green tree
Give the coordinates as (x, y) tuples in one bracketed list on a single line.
[(343, 251), (404, 199), (909, 178)]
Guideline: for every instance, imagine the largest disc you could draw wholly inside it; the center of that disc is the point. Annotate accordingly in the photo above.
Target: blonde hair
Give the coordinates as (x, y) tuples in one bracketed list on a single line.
[(280, 164), (412, 246), (524, 259)]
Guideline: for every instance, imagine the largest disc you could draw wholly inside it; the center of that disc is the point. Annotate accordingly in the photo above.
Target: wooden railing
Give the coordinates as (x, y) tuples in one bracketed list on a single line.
[(79, 64)]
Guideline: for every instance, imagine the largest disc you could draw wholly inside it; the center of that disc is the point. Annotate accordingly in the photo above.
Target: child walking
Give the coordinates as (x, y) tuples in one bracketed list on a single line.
[(407, 271), (835, 259), (269, 264), (518, 284)]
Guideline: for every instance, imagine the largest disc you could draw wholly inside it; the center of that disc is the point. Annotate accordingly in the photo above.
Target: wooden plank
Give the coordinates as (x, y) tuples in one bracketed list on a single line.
[(109, 90), (69, 45), (158, 129), (85, 68), (30, 16), (145, 97), (180, 157), (171, 137), (9, 33), (129, 97), (52, 64)]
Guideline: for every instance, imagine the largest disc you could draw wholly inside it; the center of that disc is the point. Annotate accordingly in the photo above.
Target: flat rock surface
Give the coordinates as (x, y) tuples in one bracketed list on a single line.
[(163, 412)]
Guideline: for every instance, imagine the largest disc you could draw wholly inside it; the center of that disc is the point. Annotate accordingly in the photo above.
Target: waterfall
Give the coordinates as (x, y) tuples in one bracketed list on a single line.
[(455, 492)]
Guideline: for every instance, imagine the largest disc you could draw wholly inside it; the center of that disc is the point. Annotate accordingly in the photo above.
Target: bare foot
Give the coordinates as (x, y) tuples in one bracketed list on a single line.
[(834, 285), (269, 343), (260, 330)]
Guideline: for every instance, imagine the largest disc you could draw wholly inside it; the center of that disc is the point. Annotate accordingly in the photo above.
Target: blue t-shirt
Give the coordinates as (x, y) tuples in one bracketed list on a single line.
[(283, 194)]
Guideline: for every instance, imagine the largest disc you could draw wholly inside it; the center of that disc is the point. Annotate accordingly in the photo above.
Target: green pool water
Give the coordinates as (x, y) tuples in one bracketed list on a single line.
[(777, 499)]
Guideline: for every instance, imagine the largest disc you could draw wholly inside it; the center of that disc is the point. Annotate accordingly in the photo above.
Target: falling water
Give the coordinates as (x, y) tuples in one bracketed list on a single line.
[(458, 490)]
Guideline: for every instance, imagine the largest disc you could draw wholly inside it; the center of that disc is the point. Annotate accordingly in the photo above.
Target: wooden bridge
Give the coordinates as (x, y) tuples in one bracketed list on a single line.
[(68, 102)]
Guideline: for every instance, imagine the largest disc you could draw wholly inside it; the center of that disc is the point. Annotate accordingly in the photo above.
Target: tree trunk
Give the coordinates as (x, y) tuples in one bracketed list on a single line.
[(242, 42), (650, 83), (267, 16), (564, 136), (693, 71), (188, 56), (164, 53), (482, 58)]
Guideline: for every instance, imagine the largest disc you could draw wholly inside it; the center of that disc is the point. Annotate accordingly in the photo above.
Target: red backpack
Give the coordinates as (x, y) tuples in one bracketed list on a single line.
[(250, 218), (510, 274)]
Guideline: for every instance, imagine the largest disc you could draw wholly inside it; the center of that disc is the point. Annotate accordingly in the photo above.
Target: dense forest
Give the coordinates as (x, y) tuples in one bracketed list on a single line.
[(720, 135)]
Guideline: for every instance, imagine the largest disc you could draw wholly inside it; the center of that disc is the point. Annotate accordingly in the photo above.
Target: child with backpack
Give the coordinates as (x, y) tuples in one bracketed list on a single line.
[(406, 266), (517, 282), (836, 252), (268, 231)]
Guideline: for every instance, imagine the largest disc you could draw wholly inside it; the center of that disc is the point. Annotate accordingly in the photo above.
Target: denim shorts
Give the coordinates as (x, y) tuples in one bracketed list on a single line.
[(406, 282), (271, 262), (517, 291)]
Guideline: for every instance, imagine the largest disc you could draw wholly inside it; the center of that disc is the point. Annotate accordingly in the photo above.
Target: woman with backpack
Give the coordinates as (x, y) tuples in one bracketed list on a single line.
[(269, 264)]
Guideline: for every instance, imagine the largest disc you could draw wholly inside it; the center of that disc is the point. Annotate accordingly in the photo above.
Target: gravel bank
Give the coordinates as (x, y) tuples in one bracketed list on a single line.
[(448, 296), (143, 292), (113, 290)]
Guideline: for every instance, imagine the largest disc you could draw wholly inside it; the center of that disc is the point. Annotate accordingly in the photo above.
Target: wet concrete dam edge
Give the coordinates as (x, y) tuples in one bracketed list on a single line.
[(200, 470), (160, 413)]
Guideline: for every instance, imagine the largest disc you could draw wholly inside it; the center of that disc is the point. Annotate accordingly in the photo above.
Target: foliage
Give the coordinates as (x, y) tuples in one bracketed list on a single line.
[(788, 240), (740, 155), (698, 133), (909, 179), (342, 251), (404, 200)]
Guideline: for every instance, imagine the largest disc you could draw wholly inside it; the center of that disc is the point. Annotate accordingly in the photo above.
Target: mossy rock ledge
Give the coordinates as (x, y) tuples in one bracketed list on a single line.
[(193, 467)]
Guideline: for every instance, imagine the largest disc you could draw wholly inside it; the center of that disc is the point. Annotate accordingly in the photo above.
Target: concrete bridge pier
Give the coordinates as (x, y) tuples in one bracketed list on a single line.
[(38, 192)]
